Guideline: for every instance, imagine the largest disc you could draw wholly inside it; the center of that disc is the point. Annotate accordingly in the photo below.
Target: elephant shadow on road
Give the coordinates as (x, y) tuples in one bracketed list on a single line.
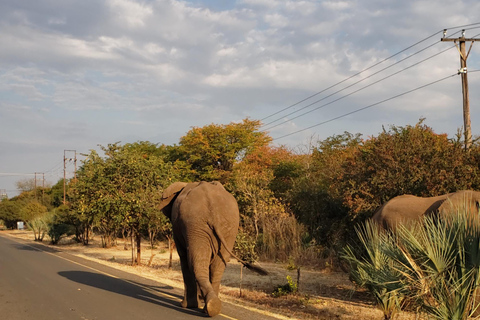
[(152, 294)]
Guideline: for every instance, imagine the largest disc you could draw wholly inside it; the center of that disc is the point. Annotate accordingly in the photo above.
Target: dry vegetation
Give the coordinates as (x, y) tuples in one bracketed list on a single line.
[(323, 294)]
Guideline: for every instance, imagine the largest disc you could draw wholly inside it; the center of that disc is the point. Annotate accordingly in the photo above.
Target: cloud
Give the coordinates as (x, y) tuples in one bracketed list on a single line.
[(79, 73), (131, 12)]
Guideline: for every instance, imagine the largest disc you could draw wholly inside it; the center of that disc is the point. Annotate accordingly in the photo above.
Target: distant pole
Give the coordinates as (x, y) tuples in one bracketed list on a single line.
[(463, 73), (35, 186), (43, 187), (64, 175), (65, 171)]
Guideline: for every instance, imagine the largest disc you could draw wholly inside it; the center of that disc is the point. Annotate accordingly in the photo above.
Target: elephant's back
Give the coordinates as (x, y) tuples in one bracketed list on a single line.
[(406, 208)]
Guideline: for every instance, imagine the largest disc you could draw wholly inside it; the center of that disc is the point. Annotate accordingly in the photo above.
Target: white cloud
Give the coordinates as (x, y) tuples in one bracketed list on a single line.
[(131, 12), (107, 67), (336, 5)]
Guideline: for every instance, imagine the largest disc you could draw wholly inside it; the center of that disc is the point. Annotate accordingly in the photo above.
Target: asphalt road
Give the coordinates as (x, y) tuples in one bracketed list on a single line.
[(38, 282)]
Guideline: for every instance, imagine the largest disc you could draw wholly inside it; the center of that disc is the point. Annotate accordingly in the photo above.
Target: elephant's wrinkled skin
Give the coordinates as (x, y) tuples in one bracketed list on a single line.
[(407, 208), (205, 221)]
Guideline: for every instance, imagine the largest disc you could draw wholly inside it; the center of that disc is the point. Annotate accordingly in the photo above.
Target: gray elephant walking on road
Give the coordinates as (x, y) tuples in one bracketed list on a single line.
[(407, 208), (205, 221)]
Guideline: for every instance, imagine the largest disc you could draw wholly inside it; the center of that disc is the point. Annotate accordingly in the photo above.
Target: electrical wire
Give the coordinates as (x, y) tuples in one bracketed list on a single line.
[(351, 85), (358, 90), (366, 107), (370, 67), (352, 76)]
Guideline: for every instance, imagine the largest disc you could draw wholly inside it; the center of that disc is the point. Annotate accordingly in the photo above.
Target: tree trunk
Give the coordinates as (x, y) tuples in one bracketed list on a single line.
[(139, 248), (133, 248)]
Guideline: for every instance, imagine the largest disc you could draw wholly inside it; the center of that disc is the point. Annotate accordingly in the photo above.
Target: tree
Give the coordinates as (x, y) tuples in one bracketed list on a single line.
[(315, 196), (263, 216), (122, 189), (34, 214), (26, 185), (212, 150), (404, 160), (9, 213)]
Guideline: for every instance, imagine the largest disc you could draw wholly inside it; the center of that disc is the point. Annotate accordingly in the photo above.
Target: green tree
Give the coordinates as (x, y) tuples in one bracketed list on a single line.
[(34, 214), (315, 196), (121, 190), (9, 213)]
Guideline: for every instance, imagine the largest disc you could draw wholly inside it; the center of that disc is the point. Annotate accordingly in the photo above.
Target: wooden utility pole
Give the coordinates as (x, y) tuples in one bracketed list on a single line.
[(463, 73), (65, 170)]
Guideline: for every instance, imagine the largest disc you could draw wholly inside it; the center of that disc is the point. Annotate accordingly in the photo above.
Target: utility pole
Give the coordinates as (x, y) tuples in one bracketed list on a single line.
[(65, 170), (3, 194), (35, 186), (463, 73)]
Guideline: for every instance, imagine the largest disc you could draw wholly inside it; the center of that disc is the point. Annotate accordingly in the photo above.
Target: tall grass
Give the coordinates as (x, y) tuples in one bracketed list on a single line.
[(434, 264)]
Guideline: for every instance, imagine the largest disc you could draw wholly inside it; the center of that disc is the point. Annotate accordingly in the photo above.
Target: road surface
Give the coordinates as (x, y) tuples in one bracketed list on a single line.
[(38, 282)]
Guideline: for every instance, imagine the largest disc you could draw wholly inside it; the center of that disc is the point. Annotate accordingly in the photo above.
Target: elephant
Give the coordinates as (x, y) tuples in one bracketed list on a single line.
[(205, 221), (406, 208)]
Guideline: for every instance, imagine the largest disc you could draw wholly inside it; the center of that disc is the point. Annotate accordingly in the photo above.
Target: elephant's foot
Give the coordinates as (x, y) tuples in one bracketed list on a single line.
[(189, 304), (213, 305)]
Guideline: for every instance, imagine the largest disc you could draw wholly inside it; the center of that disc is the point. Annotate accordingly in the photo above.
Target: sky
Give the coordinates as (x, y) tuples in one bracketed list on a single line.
[(76, 74)]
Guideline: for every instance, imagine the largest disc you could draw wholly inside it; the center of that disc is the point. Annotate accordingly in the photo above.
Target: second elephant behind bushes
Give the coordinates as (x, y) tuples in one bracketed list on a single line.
[(407, 208)]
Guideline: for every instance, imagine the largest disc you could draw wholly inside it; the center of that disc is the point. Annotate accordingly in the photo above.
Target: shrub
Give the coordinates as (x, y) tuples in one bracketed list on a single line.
[(434, 264), (290, 287)]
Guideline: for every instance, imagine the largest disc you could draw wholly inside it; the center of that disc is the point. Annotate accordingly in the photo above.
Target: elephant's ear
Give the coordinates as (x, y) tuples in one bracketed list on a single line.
[(170, 193)]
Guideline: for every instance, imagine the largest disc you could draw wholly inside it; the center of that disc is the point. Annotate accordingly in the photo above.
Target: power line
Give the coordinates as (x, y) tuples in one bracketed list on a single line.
[(356, 91), (367, 107), (366, 69), (16, 174), (352, 76), (351, 85)]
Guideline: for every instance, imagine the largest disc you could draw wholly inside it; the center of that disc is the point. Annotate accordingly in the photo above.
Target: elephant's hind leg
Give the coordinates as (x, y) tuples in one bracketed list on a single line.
[(190, 298), (199, 258), (213, 305)]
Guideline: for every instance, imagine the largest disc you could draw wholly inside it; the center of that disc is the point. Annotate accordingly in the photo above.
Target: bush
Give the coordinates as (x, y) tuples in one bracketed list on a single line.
[(290, 287), (56, 231), (433, 264), (245, 247)]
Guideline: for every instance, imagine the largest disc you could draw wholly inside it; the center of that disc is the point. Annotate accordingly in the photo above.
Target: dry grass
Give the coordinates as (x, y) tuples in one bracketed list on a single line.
[(321, 295)]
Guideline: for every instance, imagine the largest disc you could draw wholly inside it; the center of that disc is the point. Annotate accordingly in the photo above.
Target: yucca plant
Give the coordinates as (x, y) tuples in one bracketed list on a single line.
[(374, 270), (439, 262), (434, 263)]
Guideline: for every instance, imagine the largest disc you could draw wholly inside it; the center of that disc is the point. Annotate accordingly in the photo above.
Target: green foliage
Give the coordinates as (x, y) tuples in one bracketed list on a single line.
[(373, 269), (245, 247), (404, 160), (212, 150), (290, 287), (434, 264), (58, 226), (348, 178), (287, 201), (10, 213), (39, 226), (32, 210), (122, 189)]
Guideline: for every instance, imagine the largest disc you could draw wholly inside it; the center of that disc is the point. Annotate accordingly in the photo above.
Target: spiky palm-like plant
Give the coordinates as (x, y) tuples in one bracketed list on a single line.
[(374, 270), (439, 261), (435, 263)]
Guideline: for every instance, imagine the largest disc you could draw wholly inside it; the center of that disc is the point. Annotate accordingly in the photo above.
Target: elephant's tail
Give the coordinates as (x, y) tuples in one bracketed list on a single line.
[(252, 267), (248, 265)]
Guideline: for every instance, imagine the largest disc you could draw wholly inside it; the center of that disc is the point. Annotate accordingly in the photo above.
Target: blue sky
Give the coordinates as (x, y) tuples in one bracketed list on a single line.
[(76, 74)]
